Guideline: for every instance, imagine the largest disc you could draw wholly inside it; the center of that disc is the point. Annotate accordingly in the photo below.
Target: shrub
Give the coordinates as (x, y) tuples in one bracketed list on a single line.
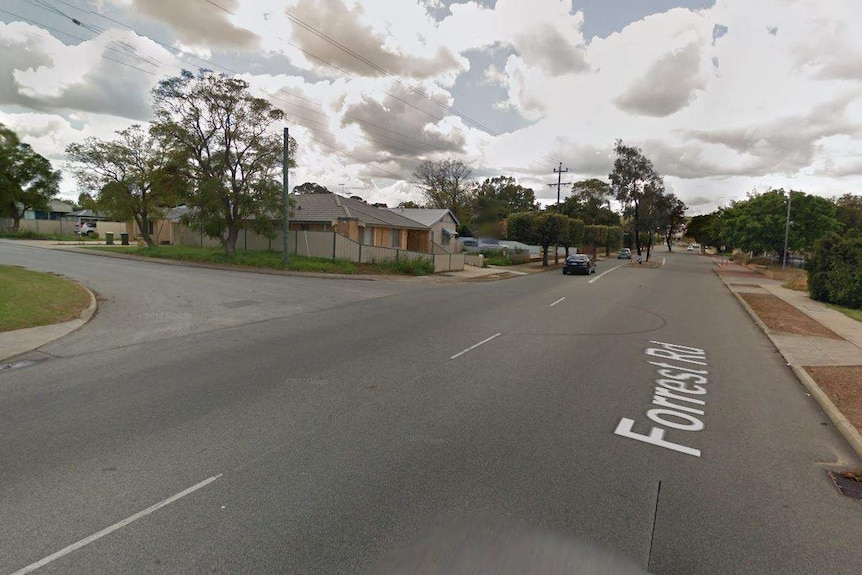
[(834, 274)]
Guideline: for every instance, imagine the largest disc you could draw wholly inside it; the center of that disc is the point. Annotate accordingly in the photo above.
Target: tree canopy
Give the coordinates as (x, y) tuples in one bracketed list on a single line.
[(27, 180), (311, 188), (538, 228), (705, 229), (494, 199), (444, 185), (633, 178), (758, 223), (224, 136), (589, 202), (848, 212), (131, 177)]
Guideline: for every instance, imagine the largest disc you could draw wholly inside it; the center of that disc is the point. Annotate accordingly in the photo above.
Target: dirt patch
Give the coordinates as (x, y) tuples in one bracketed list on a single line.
[(843, 385), (778, 315)]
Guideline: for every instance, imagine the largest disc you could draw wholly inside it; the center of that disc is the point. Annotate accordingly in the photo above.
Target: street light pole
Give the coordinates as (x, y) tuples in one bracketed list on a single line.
[(786, 233)]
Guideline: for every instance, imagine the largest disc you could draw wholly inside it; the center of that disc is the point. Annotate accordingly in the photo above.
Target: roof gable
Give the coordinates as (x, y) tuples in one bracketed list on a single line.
[(425, 216)]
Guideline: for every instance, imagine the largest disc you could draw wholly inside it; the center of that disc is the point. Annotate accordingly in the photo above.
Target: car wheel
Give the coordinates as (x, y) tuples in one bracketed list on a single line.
[(90, 234)]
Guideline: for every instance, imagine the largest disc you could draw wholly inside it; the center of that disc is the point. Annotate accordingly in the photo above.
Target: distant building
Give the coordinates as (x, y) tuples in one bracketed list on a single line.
[(57, 210)]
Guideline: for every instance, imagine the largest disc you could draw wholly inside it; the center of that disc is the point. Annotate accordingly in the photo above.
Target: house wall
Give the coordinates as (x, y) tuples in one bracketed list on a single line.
[(437, 234), (348, 228)]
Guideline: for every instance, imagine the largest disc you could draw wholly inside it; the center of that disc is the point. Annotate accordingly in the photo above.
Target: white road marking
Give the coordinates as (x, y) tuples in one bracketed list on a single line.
[(108, 530), (598, 277), (663, 260), (459, 354), (558, 301)]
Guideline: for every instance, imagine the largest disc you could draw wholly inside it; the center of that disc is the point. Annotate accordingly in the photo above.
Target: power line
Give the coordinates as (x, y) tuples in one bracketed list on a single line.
[(52, 29), (385, 72), (129, 50), (420, 145)]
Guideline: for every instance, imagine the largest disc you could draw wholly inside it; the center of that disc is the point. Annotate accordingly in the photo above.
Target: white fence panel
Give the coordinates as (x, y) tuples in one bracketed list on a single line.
[(448, 262), (477, 260)]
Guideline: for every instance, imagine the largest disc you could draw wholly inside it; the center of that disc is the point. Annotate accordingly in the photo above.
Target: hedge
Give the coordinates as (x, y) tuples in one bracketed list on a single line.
[(835, 271)]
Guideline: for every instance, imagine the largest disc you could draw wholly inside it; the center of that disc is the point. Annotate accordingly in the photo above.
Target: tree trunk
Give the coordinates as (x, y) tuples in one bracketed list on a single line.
[(545, 254), (16, 222), (144, 227), (649, 246), (230, 241)]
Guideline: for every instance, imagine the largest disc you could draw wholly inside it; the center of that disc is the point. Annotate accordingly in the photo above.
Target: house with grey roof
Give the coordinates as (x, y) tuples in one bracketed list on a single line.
[(359, 221), (442, 223), (57, 210)]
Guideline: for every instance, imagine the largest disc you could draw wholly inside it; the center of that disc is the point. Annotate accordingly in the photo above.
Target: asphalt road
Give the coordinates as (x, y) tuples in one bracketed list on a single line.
[(331, 425)]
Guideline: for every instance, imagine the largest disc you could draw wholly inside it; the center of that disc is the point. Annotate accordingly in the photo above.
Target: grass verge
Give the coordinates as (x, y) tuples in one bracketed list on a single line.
[(273, 260), (30, 299), (31, 235)]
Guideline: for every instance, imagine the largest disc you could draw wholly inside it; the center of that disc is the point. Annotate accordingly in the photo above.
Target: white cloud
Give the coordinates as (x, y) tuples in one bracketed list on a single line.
[(717, 114), (667, 86), (200, 23)]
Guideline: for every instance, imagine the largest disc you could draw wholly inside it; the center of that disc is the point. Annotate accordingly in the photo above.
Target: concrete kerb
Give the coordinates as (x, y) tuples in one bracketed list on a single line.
[(850, 433), (21, 341)]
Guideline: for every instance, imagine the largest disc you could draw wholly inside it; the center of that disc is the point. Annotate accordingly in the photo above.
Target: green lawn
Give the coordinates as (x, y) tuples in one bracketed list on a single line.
[(30, 299), (272, 260)]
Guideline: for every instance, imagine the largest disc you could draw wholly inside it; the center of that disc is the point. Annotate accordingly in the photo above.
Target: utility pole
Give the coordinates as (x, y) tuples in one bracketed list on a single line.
[(285, 217), (559, 173), (786, 233)]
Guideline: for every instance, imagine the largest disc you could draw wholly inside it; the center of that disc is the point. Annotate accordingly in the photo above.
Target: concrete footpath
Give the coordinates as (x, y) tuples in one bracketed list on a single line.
[(800, 351)]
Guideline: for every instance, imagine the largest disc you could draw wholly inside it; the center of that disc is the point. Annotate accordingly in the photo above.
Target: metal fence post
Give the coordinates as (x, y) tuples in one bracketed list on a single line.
[(334, 239)]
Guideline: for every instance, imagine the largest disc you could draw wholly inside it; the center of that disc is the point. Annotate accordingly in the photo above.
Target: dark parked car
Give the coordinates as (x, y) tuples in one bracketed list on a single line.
[(579, 264)]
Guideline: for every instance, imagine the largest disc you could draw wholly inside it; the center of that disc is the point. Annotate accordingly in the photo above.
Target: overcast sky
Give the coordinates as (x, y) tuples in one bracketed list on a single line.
[(725, 96)]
